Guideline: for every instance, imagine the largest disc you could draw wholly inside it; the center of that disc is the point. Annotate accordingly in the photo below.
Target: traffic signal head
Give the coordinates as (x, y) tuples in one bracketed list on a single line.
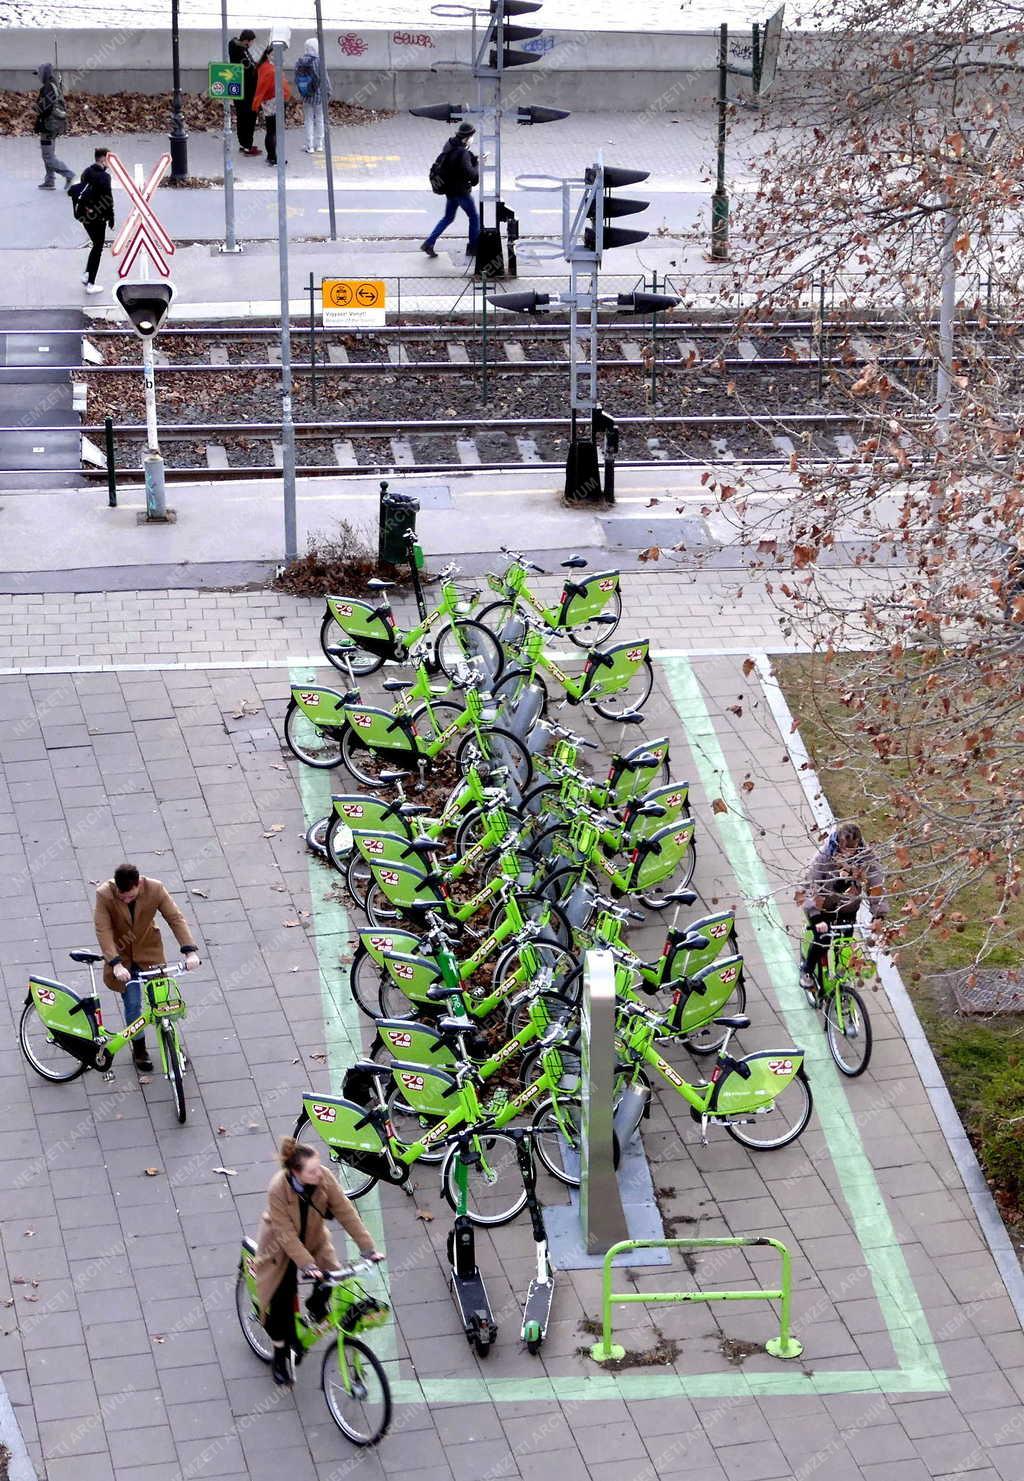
[(645, 303), (605, 207), (442, 112), (510, 57), (522, 303), (540, 115), (146, 305)]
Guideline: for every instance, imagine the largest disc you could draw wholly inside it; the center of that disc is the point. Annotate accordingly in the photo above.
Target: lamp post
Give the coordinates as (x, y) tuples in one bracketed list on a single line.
[(280, 36), (178, 136), (720, 199)]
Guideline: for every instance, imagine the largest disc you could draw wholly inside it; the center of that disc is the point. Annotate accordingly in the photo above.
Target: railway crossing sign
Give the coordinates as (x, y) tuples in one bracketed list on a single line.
[(142, 231), (351, 303), (224, 80)]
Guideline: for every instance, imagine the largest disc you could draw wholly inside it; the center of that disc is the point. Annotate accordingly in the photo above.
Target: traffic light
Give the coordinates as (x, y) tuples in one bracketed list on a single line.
[(522, 303), (644, 303), (442, 112), (540, 115), (146, 304), (603, 208), (504, 33)]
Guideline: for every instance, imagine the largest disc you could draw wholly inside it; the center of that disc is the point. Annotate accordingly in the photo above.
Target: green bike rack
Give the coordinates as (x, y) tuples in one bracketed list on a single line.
[(783, 1346)]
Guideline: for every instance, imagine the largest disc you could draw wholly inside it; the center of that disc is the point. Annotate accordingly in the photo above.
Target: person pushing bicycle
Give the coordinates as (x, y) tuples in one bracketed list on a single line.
[(303, 1195), (844, 871), (125, 922)]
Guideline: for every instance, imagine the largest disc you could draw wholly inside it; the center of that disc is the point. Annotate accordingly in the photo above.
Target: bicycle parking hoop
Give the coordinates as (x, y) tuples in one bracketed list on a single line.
[(783, 1346)]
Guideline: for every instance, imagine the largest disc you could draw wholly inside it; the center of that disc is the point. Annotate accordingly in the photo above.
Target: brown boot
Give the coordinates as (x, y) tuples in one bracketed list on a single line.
[(140, 1054)]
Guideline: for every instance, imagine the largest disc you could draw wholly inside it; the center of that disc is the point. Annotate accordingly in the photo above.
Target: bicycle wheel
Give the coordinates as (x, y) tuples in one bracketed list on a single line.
[(444, 712), (344, 653), (354, 1182), (765, 1131), (358, 878), (708, 1040), (848, 1030), (365, 979), (510, 686), (379, 909), (253, 1330), (474, 825), (561, 1005), (42, 1050), (360, 1407), (558, 1150), (493, 750), (656, 897), (170, 1043), (590, 634), (495, 1192), (410, 1125), (366, 763), (338, 842), (546, 912), (316, 837), (310, 744), (462, 641), (496, 616), (569, 883), (633, 697)]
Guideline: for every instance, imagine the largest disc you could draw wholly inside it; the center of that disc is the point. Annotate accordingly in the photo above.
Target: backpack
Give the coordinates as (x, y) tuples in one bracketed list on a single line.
[(306, 76), (439, 173), (80, 194)]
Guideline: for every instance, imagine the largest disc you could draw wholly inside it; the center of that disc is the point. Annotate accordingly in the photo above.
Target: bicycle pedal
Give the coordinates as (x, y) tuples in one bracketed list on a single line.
[(108, 1077)]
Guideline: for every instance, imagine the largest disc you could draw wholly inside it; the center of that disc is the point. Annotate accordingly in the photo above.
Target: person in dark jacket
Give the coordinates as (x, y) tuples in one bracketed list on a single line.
[(51, 122), (461, 171), (245, 113), (96, 213), (844, 871)]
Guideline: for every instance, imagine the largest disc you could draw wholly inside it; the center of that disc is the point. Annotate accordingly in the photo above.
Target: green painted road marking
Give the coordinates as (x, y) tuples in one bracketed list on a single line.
[(920, 1369), (901, 1309)]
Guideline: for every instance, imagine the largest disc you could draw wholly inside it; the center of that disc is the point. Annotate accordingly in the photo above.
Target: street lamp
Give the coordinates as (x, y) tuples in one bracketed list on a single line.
[(280, 39), (178, 136)]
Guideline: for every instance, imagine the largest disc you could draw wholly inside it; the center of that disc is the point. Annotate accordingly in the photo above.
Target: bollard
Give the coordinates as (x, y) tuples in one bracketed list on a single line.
[(108, 439)]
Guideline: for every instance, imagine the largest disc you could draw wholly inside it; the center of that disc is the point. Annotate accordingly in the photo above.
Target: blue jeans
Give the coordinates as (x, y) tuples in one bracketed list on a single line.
[(131, 1001), (454, 203)]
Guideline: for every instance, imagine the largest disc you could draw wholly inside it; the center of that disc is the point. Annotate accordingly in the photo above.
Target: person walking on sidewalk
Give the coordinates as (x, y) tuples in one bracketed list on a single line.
[(51, 122), (457, 170), (309, 81), (301, 1197), (265, 101), (93, 203), (245, 113), (126, 930), (844, 870)]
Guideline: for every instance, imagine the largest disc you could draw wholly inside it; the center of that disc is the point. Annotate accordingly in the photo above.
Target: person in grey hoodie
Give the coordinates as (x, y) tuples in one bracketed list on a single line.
[(844, 871), (51, 122), (309, 82)]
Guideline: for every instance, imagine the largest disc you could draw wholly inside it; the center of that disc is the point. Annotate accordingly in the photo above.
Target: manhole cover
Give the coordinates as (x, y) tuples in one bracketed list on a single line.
[(989, 992)]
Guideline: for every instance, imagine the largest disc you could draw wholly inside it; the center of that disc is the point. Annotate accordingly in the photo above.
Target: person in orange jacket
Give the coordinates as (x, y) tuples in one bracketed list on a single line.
[(265, 101)]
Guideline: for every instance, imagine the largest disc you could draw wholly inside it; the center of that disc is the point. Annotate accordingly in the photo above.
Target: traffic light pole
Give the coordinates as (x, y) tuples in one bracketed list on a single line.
[(720, 199), (287, 423), (230, 244)]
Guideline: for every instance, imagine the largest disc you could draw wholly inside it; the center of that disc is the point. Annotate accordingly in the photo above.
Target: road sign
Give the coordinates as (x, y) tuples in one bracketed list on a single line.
[(225, 80), (142, 231), (349, 303)]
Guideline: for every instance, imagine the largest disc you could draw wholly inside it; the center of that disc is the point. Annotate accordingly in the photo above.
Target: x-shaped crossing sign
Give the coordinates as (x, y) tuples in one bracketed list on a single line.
[(142, 231)]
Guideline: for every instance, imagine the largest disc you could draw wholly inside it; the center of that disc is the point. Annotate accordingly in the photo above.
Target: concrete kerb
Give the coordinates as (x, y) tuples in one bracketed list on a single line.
[(992, 1226), (19, 1466)]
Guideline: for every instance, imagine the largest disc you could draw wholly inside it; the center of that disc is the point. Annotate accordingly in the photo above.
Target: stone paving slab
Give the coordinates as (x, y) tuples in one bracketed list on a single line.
[(133, 1311)]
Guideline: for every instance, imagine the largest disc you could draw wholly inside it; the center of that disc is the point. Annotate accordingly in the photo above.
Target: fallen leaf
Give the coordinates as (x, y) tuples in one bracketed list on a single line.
[(651, 503), (152, 1172), (31, 1298), (288, 924), (273, 829), (229, 1172), (159, 1337), (222, 1131), (278, 766), (748, 667), (425, 1215), (145, 1079), (9, 1301), (318, 1055), (748, 786), (203, 894), (652, 553), (30, 1233), (18, 1280), (718, 806)]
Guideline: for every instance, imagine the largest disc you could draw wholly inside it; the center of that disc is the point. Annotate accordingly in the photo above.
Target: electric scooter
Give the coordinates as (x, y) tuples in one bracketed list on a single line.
[(537, 1310), (467, 1283)]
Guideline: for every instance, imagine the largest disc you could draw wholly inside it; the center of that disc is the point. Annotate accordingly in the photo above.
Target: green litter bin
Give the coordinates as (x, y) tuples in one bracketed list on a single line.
[(397, 521)]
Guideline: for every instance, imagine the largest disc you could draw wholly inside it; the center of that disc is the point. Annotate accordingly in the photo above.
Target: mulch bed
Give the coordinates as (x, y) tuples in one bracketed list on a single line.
[(149, 113)]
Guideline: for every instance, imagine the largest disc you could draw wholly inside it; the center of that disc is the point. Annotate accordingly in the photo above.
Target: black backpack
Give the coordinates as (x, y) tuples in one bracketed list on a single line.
[(80, 194), (439, 173)]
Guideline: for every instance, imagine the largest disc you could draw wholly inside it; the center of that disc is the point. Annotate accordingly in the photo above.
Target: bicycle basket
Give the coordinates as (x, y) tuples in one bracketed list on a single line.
[(355, 1310), (164, 997)]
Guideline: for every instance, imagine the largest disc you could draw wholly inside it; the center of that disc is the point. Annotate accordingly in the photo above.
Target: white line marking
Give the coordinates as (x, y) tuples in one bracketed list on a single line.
[(372, 211)]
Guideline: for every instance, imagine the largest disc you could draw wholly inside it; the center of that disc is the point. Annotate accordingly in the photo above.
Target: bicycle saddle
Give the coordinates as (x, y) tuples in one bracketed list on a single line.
[(680, 897), (631, 717), (423, 846), (574, 563), (394, 685), (606, 619), (350, 697), (85, 956), (412, 809), (376, 584), (694, 942), (456, 1026), (651, 810), (740, 1020), (393, 776), (439, 992)]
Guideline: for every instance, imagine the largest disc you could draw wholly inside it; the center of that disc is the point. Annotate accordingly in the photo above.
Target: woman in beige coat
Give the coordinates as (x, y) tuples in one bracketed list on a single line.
[(302, 1196)]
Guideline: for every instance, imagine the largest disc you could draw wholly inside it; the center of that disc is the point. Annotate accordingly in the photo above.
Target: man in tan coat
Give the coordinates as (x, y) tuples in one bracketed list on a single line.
[(128, 936)]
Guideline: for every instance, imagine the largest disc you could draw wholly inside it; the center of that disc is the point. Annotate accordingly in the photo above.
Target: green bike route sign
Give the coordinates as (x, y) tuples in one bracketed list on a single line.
[(225, 81)]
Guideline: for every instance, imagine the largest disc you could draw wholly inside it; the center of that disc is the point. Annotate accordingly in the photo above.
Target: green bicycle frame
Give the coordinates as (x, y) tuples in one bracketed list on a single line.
[(373, 627), (653, 859), (580, 601), (396, 848), (76, 1023), (604, 672)]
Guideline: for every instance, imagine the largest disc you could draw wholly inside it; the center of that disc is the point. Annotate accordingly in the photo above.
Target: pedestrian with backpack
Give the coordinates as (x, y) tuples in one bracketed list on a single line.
[(453, 174), (92, 201), (309, 82), (51, 122)]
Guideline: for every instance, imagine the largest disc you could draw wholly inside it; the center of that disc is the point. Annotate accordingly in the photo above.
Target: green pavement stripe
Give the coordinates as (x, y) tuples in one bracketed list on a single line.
[(894, 1289), (342, 1026)]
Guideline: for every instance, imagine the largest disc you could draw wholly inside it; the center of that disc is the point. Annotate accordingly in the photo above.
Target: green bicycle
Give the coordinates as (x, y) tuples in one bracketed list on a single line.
[(658, 867), (355, 1386), (581, 601), (62, 1035), (359, 637), (616, 680), (847, 1024)]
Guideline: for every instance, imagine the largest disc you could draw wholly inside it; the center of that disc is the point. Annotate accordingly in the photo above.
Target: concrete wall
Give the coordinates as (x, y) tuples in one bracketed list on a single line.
[(632, 72)]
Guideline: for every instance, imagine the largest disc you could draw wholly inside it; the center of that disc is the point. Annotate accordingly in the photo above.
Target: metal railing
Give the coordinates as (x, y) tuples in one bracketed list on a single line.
[(783, 1346)]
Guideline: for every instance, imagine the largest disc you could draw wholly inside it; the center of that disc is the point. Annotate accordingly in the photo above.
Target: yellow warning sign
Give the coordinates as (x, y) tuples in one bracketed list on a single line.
[(350, 302)]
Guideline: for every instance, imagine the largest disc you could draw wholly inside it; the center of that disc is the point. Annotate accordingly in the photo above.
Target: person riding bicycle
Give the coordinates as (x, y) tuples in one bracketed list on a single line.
[(844, 871), (125, 923), (301, 1197)]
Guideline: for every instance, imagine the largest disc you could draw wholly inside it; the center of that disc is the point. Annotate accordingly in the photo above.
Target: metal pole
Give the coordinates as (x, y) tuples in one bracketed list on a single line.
[(108, 438), (152, 462), (720, 199), (312, 340), (178, 136), (654, 343), (230, 245), (484, 388), (602, 1219), (149, 385), (291, 548), (947, 306), (325, 104)]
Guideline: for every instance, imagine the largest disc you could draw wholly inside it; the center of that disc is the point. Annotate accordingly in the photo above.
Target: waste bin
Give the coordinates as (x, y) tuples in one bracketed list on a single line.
[(397, 519)]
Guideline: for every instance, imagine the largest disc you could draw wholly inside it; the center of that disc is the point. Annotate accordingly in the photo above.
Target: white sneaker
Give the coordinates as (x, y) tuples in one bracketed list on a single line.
[(94, 287), (307, 150), (85, 277)]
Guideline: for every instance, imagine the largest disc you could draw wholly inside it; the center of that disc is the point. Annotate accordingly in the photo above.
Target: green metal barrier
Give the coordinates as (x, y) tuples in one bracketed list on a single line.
[(783, 1346)]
